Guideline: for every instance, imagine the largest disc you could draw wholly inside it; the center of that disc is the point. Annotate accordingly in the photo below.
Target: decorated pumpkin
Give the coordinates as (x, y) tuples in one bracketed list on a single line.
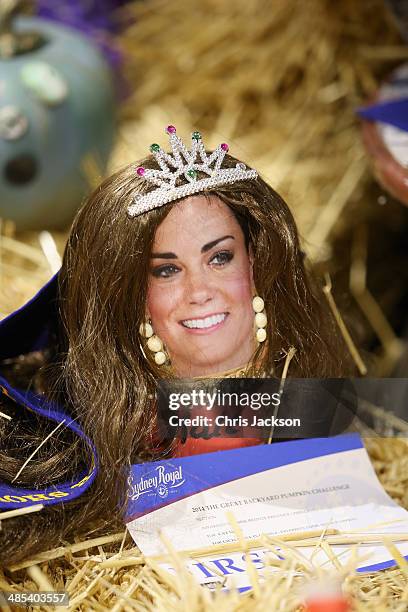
[(56, 119)]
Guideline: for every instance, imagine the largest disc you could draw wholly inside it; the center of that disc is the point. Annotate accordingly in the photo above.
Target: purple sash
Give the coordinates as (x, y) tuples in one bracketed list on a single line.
[(16, 497), (26, 330)]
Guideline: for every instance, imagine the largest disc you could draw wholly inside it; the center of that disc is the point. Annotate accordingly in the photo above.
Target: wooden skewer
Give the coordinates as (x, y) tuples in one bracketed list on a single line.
[(41, 580), (61, 551), (289, 357), (343, 329), (402, 562), (215, 549), (250, 544), (331, 536), (37, 449), (20, 511), (124, 562), (344, 539)]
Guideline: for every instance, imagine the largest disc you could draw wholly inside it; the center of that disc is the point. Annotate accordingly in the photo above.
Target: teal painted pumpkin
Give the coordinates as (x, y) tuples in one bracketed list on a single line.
[(56, 118)]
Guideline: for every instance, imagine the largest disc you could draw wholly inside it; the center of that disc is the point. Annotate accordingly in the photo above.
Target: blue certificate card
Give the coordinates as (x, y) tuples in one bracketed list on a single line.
[(273, 490)]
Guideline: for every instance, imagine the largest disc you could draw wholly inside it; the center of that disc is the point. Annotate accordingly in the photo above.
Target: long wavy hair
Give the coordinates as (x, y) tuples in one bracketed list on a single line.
[(96, 366)]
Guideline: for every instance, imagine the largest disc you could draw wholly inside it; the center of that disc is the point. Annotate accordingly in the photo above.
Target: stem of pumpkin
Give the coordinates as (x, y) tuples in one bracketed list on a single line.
[(11, 42)]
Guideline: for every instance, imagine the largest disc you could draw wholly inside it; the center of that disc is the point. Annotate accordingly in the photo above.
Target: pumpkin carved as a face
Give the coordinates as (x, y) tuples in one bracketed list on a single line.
[(56, 119)]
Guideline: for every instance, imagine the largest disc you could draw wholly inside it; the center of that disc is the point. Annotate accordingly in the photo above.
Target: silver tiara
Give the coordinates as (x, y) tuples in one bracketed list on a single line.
[(187, 164)]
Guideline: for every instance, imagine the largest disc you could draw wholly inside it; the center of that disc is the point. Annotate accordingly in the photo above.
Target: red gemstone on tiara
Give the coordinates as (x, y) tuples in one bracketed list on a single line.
[(225, 147), (170, 129), (140, 171)]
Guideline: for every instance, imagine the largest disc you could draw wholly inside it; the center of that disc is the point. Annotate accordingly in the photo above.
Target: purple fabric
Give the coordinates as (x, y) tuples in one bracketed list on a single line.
[(26, 330), (86, 15), (16, 497), (394, 112), (95, 18)]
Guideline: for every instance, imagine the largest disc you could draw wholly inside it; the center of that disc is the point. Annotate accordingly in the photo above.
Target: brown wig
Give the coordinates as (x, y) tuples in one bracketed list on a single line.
[(97, 367)]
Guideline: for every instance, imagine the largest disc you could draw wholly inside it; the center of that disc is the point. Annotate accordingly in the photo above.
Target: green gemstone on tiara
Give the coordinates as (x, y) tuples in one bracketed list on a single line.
[(192, 174), (196, 136), (154, 148)]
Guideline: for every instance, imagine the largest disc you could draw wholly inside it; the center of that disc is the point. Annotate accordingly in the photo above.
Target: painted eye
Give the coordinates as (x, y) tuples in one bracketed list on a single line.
[(21, 170), (13, 124), (165, 271), (44, 82), (221, 258)]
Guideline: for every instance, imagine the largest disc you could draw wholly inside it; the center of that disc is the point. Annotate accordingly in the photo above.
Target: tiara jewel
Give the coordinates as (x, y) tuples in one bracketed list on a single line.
[(185, 164)]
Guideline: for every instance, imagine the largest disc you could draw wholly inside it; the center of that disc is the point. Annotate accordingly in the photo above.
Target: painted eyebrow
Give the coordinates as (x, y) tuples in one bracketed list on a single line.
[(210, 245), (204, 249)]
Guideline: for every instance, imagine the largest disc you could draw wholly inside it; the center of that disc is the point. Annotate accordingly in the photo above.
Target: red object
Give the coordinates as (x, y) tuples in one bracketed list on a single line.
[(328, 604), (193, 446), (387, 146), (388, 171), (170, 129)]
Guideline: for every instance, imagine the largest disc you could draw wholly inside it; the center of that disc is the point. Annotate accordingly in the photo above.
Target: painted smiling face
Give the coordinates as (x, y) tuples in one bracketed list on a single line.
[(200, 288)]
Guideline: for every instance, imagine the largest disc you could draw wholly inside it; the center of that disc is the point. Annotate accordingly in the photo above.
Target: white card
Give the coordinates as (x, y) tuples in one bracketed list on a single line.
[(287, 487)]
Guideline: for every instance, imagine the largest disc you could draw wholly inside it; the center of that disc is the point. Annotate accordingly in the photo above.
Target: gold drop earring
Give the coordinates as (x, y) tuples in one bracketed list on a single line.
[(260, 318), (154, 344)]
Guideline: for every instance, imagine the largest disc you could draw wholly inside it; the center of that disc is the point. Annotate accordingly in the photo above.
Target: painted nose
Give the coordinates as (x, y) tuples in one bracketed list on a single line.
[(199, 290)]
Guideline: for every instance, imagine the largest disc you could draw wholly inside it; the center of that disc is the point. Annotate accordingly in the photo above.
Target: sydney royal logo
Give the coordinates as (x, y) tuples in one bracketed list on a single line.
[(158, 482)]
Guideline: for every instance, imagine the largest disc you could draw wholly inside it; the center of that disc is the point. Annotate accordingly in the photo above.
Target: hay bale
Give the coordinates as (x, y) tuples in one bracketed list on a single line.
[(110, 573), (279, 83)]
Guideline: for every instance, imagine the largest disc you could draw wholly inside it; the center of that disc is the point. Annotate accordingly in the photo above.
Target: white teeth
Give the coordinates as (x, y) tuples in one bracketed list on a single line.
[(204, 323)]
